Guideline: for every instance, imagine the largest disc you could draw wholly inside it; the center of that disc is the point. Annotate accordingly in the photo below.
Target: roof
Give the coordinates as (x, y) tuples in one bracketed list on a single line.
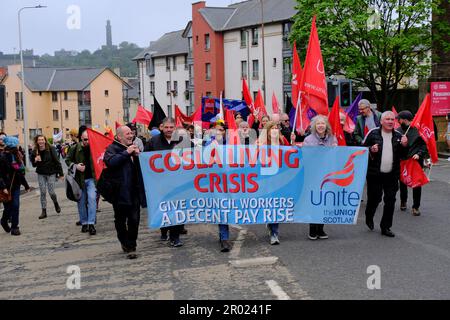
[(133, 92), (61, 79), (170, 44), (248, 13)]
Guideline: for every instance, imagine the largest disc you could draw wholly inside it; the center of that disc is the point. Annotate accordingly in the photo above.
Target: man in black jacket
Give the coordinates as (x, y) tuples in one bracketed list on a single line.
[(123, 165), (386, 147), (160, 142), (417, 151)]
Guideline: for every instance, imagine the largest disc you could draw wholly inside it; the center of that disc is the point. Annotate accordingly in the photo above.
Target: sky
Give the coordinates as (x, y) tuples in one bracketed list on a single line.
[(81, 24)]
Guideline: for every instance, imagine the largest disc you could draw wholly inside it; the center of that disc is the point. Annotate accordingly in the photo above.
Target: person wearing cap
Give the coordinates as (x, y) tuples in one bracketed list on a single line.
[(367, 120), (136, 140), (417, 151)]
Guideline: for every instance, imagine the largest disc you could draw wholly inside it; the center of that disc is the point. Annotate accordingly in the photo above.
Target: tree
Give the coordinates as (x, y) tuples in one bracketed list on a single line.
[(376, 43)]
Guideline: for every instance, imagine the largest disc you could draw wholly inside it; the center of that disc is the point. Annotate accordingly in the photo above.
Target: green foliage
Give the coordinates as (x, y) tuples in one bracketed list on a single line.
[(376, 43), (116, 57)]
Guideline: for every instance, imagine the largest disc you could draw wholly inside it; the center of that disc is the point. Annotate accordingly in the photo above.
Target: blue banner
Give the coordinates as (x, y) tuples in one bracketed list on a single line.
[(254, 185)]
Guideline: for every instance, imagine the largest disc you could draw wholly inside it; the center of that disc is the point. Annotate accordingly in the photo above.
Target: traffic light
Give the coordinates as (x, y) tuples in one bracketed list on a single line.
[(345, 92)]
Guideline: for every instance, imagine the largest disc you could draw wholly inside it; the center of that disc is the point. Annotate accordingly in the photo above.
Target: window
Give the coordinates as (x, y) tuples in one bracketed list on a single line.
[(208, 71), (106, 93), (244, 69), (55, 115), (85, 117), (186, 83), (168, 87), (126, 115), (255, 74), (169, 111), (191, 75), (255, 94), (35, 132), (19, 106), (207, 42), (174, 63), (255, 36), (186, 65), (190, 45), (274, 62), (196, 39), (106, 113), (175, 88), (66, 114), (167, 63), (243, 38), (149, 67), (287, 71), (286, 31), (152, 87), (54, 96), (66, 96)]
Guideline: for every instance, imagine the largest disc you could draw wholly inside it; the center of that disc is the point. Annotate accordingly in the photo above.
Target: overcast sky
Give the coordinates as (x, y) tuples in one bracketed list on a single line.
[(46, 30)]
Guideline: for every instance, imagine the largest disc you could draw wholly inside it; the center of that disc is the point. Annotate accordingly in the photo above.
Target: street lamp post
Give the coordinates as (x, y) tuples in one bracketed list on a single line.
[(263, 52), (25, 114)]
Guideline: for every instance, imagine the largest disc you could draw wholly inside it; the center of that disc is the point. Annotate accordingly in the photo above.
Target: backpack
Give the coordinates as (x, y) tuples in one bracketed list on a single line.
[(108, 186), (73, 190)]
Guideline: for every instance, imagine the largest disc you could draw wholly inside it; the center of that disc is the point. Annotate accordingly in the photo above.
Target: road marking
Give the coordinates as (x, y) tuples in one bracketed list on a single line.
[(238, 242), (245, 263), (277, 290)]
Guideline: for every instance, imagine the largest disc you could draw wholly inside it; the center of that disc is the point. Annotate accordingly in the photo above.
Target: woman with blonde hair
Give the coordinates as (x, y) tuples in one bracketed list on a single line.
[(271, 136), (321, 135)]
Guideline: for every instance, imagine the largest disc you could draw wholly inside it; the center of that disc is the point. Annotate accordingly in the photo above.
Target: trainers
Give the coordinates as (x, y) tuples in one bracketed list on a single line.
[(225, 246), (92, 230), (84, 228), (312, 236), (403, 206), (415, 212), (5, 226), (15, 232), (322, 235), (274, 240), (176, 243)]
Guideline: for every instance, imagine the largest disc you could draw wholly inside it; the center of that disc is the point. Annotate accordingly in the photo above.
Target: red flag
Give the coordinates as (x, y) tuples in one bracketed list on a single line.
[(334, 119), (110, 134), (259, 105), (396, 123), (275, 105), (366, 130), (423, 121), (118, 125), (411, 174), (98, 144), (313, 82), (296, 76), (181, 118), (247, 95), (143, 116), (232, 132)]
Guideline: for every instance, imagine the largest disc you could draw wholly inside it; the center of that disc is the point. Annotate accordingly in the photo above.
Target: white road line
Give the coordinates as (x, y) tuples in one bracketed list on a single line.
[(277, 290), (254, 262)]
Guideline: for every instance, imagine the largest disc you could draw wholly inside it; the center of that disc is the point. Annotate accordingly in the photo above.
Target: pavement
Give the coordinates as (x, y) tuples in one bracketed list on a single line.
[(413, 265)]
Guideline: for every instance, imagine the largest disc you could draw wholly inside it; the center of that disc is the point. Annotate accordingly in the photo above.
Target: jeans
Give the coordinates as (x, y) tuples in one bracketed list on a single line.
[(11, 209), (87, 206), (273, 227), (224, 232)]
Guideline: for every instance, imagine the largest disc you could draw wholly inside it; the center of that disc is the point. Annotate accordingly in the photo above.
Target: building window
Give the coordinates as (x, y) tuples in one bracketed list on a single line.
[(255, 36), (19, 106), (286, 32), (168, 87), (126, 115), (175, 88), (106, 113), (255, 74), (66, 96), (106, 93), (54, 96), (186, 92), (66, 114), (186, 65), (191, 75), (190, 44), (174, 63), (55, 115), (207, 42), (167, 63), (274, 62), (149, 68), (287, 71), (244, 69), (152, 87), (85, 117), (243, 38), (255, 94), (208, 71), (35, 132), (169, 111)]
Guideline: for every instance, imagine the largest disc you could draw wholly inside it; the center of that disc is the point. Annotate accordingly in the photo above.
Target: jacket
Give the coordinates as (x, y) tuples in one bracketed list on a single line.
[(7, 173), (399, 152), (158, 143), (125, 170), (76, 156), (49, 163), (361, 124), (416, 144), (314, 140)]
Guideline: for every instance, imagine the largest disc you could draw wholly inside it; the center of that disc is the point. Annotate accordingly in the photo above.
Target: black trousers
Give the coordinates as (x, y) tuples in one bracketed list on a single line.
[(417, 195), (174, 232), (127, 220), (383, 184)]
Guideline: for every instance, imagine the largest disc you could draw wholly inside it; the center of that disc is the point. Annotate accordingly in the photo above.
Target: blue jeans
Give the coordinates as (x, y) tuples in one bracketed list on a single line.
[(11, 209), (273, 227), (87, 206), (224, 232)]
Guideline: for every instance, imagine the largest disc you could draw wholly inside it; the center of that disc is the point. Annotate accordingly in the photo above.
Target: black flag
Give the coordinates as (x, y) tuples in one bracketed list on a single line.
[(158, 116), (289, 105)]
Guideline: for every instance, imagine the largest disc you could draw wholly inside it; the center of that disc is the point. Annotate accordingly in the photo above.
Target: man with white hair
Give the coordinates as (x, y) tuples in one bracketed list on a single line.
[(386, 147), (122, 164), (367, 120)]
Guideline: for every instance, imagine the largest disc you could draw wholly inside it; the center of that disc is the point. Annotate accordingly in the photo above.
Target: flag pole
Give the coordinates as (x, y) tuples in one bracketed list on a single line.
[(299, 103)]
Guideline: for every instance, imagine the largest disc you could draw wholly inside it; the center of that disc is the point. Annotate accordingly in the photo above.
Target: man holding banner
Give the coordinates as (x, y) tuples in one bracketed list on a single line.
[(123, 163), (386, 147)]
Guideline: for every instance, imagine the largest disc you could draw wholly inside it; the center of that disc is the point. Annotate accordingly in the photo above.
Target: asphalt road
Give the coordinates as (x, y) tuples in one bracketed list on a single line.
[(413, 265)]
